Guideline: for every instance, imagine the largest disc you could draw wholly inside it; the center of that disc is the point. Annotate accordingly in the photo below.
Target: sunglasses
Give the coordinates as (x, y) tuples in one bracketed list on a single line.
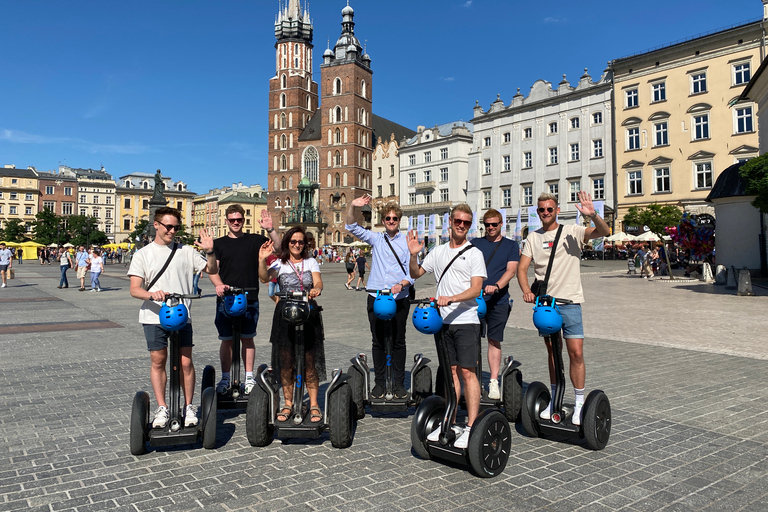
[(491, 224), (395, 219), (238, 220), (459, 222), (297, 242), (170, 227), (548, 209)]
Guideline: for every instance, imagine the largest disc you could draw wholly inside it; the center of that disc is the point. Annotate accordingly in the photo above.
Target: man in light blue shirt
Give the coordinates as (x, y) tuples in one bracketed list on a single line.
[(81, 266), (389, 270)]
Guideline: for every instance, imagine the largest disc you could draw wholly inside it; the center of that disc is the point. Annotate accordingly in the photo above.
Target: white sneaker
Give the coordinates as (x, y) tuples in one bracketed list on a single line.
[(190, 416), (93, 289), (463, 440), (161, 417), (222, 386), (576, 420), (249, 383), (493, 390), (98, 289), (546, 413), (4, 286), (435, 435)]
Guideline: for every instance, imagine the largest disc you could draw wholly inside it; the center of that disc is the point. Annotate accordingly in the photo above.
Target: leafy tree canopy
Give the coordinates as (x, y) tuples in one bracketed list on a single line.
[(139, 230), (14, 231), (47, 227), (755, 173), (655, 216), (84, 230)]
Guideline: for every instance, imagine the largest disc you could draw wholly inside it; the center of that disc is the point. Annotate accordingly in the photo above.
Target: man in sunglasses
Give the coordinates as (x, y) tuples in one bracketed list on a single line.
[(237, 255), (389, 270), (148, 263), (501, 256), (460, 271), (564, 281)]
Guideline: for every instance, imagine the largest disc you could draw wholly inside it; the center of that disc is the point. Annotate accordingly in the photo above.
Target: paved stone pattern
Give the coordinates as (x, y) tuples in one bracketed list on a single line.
[(690, 428)]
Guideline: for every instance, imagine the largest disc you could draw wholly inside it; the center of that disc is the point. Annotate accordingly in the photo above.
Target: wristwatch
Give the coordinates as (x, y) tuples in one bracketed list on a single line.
[(270, 230)]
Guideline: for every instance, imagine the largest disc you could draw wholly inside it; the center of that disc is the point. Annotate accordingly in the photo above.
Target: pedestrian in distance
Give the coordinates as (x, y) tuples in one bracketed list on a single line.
[(361, 265), (96, 265), (20, 255), (81, 266), (65, 263), (349, 263), (6, 263)]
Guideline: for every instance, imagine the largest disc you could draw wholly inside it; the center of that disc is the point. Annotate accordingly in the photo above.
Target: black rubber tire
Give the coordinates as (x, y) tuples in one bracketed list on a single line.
[(596, 420), (209, 378), (341, 421), (490, 443), (422, 385), (258, 429), (441, 387), (427, 418), (536, 398), (139, 423), (513, 394), (357, 383), (209, 406)]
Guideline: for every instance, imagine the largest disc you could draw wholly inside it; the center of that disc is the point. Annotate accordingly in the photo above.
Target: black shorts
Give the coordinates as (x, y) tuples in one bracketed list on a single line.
[(157, 337), (463, 341), (362, 274), (496, 318)]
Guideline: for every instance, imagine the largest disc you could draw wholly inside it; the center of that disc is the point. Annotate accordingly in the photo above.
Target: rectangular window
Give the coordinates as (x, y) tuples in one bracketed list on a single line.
[(487, 141), (391, 189), (507, 137), (699, 83), (412, 179), (28, 197), (427, 156), (506, 197), (108, 228), (412, 159), (552, 127), (428, 175), (704, 175), (527, 160), (127, 202), (67, 208), (108, 200), (633, 138), (96, 212), (597, 118), (574, 152), (108, 214), (630, 98), (13, 210), (67, 191), (444, 154), (95, 199), (444, 174), (379, 189), (444, 195), (427, 197), (14, 195), (527, 198), (527, 133), (597, 148), (635, 183), (379, 173), (51, 205), (554, 189), (83, 212), (507, 163), (741, 73), (486, 199), (661, 179), (49, 190), (126, 224), (574, 123), (487, 166), (552, 156), (660, 137), (574, 187), (659, 91), (412, 198), (701, 127), (743, 119), (145, 204), (83, 199), (391, 170), (598, 188), (28, 210)]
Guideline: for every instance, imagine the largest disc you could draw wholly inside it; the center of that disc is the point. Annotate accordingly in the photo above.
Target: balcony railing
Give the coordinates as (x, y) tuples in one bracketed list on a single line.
[(422, 185), (442, 205)]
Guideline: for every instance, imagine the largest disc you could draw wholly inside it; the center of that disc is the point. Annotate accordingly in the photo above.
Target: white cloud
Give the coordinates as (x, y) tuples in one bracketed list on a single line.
[(448, 79), (19, 137), (468, 3), (550, 19)]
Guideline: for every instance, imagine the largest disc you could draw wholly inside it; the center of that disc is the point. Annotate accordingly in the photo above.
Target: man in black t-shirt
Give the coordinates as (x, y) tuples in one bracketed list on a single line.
[(237, 255), (361, 264)]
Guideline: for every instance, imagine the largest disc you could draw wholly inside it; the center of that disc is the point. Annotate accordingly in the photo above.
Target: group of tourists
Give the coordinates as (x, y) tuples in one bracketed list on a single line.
[(463, 271)]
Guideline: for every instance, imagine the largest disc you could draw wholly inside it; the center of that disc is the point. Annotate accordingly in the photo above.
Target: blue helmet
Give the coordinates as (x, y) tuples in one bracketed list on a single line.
[(547, 319), (427, 320), (384, 307), (235, 305), (482, 307), (173, 318)]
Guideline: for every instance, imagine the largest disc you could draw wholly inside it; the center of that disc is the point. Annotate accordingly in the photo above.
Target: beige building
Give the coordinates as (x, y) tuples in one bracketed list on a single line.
[(95, 196), (252, 204), (386, 178), (206, 207), (674, 130), (19, 194)]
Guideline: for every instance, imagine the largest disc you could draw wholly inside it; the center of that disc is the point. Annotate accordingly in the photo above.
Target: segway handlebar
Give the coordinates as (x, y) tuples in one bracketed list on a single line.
[(548, 299), (183, 296), (302, 295), (234, 290), (426, 300), (385, 291)]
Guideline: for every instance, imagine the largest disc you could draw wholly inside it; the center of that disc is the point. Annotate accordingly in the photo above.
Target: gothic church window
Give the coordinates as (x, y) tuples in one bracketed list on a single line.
[(337, 86), (283, 122), (311, 160), (283, 82), (282, 100)]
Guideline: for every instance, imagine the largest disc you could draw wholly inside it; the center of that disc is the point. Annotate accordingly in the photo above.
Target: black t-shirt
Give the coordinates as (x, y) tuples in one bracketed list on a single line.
[(239, 261), (361, 264), (508, 251)]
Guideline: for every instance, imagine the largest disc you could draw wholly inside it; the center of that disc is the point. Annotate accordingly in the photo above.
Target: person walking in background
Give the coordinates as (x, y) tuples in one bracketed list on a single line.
[(20, 255), (65, 263), (81, 266), (6, 263), (96, 263), (349, 263), (361, 265)]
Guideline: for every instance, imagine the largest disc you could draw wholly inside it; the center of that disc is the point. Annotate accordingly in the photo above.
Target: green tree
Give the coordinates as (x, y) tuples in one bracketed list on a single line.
[(47, 227), (84, 231), (656, 217), (138, 230), (755, 173), (183, 236), (14, 231)]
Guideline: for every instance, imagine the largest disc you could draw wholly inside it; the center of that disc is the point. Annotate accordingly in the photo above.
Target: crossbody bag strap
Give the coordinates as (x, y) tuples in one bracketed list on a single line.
[(396, 256), (551, 260), (167, 262), (468, 247)]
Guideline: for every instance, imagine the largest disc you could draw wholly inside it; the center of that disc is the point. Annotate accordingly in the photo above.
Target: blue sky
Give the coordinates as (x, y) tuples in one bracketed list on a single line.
[(182, 85)]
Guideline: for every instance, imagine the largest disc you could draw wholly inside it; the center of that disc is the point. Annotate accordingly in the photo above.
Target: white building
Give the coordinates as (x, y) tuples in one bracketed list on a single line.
[(97, 198), (554, 140), (433, 170), (386, 178)]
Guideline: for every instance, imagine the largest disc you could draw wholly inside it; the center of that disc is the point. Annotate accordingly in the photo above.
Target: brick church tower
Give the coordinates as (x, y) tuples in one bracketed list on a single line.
[(292, 103)]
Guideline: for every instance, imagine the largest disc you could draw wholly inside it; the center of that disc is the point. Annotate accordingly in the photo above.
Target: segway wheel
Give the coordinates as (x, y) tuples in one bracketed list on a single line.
[(596, 420), (490, 442), (209, 378), (513, 394), (257, 426), (357, 383), (536, 399), (427, 418), (139, 423), (441, 386), (210, 410), (341, 421), (422, 385)]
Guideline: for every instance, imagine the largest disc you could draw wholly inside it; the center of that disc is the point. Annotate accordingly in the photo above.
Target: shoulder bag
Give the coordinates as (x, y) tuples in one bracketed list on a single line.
[(411, 287), (539, 288), (165, 266)]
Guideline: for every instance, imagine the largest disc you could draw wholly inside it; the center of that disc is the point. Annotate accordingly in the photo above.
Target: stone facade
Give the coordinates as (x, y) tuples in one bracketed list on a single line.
[(19, 194), (57, 193), (385, 177), (96, 196)]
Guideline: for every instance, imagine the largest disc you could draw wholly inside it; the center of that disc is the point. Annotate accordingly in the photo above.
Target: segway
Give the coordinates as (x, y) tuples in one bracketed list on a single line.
[(385, 307), (490, 438), (510, 379), (595, 425), (173, 317), (235, 303), (261, 422)]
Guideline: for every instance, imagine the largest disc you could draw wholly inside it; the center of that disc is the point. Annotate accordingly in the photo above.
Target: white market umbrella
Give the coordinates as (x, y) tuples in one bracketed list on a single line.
[(648, 236), (620, 237), (52, 245)]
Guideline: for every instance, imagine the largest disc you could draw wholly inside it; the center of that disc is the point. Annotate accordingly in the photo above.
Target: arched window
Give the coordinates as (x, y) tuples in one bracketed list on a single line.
[(337, 86), (290, 182), (309, 83), (127, 184), (345, 179), (282, 184), (283, 122), (343, 198), (282, 100), (363, 89), (283, 82), (277, 202), (145, 185), (282, 218), (337, 237), (311, 164), (338, 136), (179, 187), (337, 160), (287, 202), (330, 184), (337, 180), (283, 163), (283, 142), (309, 103), (296, 53), (338, 115), (274, 186)]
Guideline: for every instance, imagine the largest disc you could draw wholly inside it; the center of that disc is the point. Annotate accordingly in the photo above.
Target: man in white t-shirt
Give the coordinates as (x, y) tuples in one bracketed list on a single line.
[(564, 282), (459, 284), (6, 262), (177, 278)]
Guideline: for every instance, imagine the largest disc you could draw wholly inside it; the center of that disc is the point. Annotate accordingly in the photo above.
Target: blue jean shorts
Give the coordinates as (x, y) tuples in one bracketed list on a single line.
[(572, 325), (248, 326), (273, 288), (157, 337)]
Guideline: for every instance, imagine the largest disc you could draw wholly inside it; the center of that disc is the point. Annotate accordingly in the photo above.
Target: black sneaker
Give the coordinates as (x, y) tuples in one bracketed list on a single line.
[(400, 391), (378, 391)]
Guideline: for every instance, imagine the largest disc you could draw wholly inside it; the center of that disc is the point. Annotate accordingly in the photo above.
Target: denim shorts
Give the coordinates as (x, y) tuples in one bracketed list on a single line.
[(572, 325), (248, 321), (157, 337), (273, 288)]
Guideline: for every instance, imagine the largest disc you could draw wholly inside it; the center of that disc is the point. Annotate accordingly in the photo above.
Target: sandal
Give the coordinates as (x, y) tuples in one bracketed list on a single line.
[(285, 412), (315, 415)]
